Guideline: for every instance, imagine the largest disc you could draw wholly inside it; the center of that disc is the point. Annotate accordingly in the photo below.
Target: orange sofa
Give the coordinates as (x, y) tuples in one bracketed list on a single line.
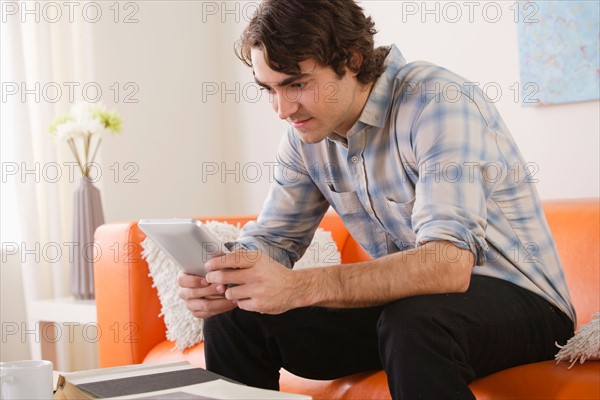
[(128, 312)]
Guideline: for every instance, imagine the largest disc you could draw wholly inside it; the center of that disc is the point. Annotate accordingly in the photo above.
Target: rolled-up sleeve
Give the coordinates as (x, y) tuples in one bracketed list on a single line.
[(459, 163), (291, 212)]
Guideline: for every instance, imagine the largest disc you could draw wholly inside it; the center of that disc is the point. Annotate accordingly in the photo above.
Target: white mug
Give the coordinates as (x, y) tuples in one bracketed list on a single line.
[(27, 379)]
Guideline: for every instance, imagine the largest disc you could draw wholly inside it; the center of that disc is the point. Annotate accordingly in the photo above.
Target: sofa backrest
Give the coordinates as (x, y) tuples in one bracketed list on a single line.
[(575, 226)]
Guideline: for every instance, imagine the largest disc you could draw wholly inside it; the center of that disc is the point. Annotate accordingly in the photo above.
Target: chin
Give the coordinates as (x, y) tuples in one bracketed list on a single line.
[(310, 137)]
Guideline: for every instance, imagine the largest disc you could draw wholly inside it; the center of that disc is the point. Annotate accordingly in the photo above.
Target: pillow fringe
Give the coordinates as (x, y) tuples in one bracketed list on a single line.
[(585, 345), (183, 329)]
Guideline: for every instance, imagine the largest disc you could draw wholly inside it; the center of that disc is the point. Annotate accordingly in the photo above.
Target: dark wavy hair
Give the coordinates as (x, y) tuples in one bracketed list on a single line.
[(330, 31)]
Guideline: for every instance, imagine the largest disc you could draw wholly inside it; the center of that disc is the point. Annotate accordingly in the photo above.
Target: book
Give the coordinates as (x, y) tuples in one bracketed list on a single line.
[(172, 380)]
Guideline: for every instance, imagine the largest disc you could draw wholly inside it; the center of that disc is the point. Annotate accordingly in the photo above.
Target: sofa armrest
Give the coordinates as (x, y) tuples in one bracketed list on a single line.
[(127, 304)]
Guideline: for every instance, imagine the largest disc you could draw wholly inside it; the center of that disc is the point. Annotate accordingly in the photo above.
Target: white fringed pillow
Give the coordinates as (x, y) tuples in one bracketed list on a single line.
[(585, 345), (183, 328)]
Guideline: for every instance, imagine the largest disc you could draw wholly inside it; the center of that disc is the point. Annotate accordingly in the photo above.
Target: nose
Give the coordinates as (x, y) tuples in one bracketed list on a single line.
[(284, 106)]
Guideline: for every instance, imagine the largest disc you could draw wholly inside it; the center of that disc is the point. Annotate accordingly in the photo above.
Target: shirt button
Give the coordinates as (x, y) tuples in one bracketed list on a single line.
[(354, 159)]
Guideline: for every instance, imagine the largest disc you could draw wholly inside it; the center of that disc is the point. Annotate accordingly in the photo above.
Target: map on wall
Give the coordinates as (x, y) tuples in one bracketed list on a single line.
[(558, 51)]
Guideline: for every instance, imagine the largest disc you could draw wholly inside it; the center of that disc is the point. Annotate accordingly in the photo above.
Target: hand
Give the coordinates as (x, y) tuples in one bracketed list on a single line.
[(261, 284), (201, 298)]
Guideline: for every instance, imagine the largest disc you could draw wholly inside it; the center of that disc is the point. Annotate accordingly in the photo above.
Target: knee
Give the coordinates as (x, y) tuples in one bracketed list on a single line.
[(217, 323), (411, 320), (230, 322)]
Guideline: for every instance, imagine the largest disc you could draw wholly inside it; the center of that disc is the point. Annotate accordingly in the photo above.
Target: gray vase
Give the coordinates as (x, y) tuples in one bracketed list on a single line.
[(87, 216)]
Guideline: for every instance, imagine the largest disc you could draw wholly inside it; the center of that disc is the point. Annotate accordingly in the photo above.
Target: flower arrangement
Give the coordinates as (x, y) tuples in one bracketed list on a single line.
[(87, 122)]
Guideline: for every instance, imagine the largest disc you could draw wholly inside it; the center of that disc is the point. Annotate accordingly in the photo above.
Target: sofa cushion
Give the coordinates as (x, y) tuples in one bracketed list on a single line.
[(543, 380), (538, 381), (361, 386)]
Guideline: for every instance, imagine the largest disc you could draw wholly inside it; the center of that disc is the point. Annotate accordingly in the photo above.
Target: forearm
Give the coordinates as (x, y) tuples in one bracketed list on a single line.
[(436, 267)]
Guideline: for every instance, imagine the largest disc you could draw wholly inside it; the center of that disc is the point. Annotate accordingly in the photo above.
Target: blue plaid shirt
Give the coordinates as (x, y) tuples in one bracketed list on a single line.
[(429, 159)]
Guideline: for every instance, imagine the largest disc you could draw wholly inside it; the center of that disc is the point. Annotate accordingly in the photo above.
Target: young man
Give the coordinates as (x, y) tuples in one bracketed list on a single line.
[(465, 278)]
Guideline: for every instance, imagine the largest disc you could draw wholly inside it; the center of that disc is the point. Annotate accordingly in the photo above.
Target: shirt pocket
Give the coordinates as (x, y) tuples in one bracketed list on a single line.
[(398, 223), (401, 210), (345, 203), (360, 225)]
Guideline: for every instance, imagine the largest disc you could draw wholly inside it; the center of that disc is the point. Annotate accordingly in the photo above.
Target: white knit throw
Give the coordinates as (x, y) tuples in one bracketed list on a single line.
[(183, 328), (585, 345)]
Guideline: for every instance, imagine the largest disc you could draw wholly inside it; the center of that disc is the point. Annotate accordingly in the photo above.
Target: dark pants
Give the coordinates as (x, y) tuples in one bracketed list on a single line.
[(431, 347)]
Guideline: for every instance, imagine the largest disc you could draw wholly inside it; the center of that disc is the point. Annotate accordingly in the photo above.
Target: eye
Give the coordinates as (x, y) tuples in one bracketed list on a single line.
[(298, 85), (267, 89)]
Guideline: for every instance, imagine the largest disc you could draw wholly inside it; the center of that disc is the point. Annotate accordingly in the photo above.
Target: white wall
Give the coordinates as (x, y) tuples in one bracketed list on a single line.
[(169, 132), (173, 135)]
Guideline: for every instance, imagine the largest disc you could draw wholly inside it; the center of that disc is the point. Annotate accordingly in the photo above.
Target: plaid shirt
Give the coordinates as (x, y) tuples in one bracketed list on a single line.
[(429, 159)]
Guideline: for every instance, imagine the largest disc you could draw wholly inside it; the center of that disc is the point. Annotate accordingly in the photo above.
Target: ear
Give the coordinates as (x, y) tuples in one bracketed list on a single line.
[(355, 62)]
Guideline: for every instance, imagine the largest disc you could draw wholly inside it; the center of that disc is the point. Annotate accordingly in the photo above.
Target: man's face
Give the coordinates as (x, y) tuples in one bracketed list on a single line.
[(315, 102)]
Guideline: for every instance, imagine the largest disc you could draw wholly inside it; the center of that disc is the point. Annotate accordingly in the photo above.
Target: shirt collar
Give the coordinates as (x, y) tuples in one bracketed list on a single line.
[(379, 102), (376, 110)]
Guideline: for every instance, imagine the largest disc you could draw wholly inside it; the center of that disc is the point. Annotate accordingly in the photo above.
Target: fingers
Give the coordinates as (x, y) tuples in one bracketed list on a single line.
[(193, 286), (197, 287), (246, 281), (233, 268), (202, 298), (239, 259), (206, 290), (241, 296), (204, 308), (229, 277), (190, 281), (236, 293)]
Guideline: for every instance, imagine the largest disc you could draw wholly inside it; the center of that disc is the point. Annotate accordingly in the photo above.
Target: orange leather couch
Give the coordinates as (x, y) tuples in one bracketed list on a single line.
[(133, 332)]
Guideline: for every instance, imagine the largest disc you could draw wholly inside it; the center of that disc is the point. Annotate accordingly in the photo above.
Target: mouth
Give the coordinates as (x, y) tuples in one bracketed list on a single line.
[(300, 123)]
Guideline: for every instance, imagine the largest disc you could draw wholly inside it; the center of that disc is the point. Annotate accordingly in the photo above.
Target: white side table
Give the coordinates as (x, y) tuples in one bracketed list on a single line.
[(59, 325)]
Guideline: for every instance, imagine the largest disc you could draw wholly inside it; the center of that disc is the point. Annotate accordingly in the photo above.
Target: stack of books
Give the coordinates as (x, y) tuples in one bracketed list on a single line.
[(175, 380)]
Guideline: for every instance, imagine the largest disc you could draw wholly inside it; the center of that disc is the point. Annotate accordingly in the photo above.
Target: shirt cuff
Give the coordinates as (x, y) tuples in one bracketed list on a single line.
[(457, 234), (251, 243)]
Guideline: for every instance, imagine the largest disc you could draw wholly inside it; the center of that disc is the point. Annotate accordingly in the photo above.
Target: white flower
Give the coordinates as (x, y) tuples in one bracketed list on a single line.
[(89, 122), (87, 110), (68, 130), (90, 125)]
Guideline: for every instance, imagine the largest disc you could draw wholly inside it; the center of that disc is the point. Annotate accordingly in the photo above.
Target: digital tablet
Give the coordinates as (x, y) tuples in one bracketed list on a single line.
[(185, 241)]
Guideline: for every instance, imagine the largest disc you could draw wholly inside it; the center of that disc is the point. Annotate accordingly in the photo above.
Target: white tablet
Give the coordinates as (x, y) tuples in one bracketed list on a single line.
[(185, 241)]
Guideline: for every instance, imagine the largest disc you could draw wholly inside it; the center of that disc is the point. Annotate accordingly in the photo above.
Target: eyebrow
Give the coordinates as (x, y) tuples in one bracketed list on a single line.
[(284, 82)]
